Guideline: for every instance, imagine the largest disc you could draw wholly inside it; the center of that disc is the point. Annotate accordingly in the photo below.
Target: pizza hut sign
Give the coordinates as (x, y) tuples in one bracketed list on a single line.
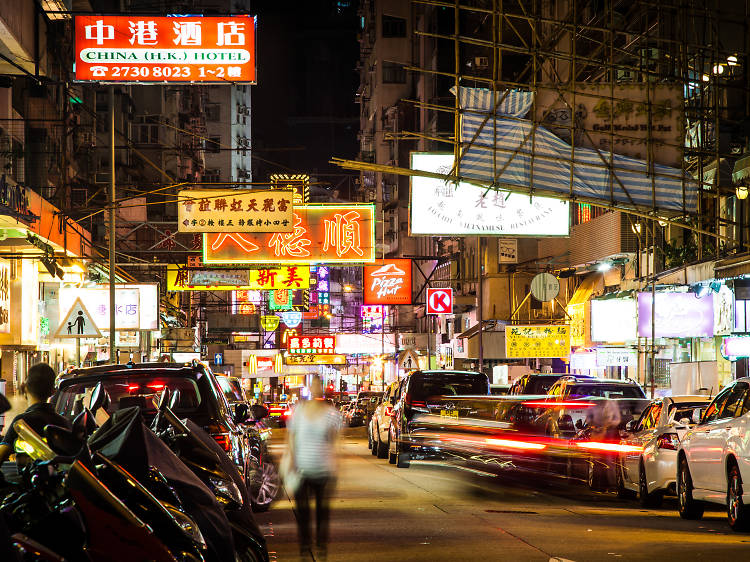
[(388, 283)]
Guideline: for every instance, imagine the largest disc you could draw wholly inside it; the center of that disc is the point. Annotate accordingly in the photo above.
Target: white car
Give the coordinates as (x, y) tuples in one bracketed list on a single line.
[(651, 466), (714, 458)]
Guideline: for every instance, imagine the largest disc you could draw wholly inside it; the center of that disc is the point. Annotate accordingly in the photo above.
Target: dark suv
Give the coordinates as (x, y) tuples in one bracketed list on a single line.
[(201, 400), (534, 383), (427, 392)]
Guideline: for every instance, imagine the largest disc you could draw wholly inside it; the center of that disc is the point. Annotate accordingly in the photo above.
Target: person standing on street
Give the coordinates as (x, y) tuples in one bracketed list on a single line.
[(312, 435)]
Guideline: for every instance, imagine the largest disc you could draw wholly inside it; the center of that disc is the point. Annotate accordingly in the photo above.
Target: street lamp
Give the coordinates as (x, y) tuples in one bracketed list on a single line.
[(741, 192)]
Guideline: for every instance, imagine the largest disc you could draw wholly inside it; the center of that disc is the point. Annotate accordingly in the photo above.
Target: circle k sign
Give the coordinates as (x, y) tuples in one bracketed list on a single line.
[(439, 301)]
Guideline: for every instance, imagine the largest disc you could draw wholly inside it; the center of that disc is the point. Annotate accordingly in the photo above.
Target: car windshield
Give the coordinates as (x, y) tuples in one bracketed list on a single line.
[(686, 409), (607, 391), (230, 390), (127, 391), (539, 385), (448, 384)]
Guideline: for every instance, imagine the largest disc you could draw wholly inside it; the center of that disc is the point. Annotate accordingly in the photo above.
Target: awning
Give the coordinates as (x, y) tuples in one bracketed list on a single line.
[(732, 267), (723, 170), (504, 150), (489, 325), (584, 290), (741, 169)]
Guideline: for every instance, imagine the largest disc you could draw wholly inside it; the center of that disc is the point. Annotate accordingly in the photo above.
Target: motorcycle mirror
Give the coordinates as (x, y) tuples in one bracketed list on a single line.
[(258, 412), (83, 425), (163, 399), (4, 404), (62, 440), (174, 399), (97, 398), (240, 412)]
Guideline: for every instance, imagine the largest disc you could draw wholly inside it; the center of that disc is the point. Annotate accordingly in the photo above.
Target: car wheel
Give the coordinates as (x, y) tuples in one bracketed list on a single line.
[(402, 458), (595, 476), (738, 514), (264, 485), (622, 492), (369, 438), (645, 498), (391, 455), (382, 448), (374, 450), (687, 506)]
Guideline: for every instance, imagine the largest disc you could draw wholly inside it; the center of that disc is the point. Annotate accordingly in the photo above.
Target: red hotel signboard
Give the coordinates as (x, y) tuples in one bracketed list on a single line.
[(322, 233), (389, 283), (165, 49)]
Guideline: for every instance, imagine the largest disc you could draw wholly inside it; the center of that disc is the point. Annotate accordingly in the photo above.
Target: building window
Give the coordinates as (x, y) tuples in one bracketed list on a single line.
[(212, 176), (213, 112), (583, 213), (394, 27), (393, 73), (213, 144), (146, 129)]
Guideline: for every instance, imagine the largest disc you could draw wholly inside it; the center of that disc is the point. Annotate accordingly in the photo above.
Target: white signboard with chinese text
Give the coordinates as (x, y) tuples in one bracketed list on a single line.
[(441, 209), (127, 306), (235, 210), (616, 357)]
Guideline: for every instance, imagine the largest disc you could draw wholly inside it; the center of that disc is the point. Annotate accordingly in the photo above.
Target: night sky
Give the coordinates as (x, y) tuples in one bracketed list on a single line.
[(303, 106)]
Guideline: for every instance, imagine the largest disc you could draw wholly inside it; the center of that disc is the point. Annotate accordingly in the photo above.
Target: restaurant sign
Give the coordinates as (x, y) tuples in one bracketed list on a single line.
[(537, 341), (311, 345), (165, 49), (271, 279), (324, 359), (235, 210), (322, 233)]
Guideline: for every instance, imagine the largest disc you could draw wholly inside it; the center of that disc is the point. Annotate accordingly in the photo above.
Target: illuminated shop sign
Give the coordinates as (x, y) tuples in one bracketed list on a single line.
[(271, 279), (389, 283), (537, 341), (312, 344), (678, 315), (236, 210), (603, 329), (322, 233), (165, 49), (441, 209)]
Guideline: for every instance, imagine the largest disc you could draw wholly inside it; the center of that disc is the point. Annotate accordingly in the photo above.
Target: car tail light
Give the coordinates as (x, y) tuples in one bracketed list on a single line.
[(287, 413), (410, 402), (223, 440), (132, 387), (156, 386), (668, 441)]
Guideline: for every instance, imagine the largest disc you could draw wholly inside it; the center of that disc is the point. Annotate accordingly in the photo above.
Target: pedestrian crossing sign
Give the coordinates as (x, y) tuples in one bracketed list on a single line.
[(408, 361), (77, 323)]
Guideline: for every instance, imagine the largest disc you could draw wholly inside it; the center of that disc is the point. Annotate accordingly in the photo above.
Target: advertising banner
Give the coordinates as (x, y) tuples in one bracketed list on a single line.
[(4, 297), (616, 357), (389, 283), (165, 49), (325, 359), (441, 209), (678, 315), (322, 233), (136, 305), (270, 279), (537, 341), (603, 329), (235, 210)]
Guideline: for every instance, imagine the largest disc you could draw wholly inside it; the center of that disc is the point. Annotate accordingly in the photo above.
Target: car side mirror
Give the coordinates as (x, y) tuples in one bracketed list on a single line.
[(240, 412), (174, 399), (258, 412), (163, 399)]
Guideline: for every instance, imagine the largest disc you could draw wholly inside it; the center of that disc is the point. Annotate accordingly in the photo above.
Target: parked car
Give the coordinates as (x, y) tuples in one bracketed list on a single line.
[(201, 400), (534, 383), (500, 389), (652, 471), (368, 401), (381, 421), (713, 459), (427, 392)]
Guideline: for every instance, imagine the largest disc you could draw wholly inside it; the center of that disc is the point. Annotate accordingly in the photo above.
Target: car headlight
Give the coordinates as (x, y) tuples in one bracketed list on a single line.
[(226, 490), (187, 525)]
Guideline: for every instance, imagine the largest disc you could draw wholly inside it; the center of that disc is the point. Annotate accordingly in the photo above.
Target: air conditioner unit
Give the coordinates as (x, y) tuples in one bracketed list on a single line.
[(481, 62)]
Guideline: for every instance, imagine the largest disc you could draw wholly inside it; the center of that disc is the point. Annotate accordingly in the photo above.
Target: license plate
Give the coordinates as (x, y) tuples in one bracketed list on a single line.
[(449, 413)]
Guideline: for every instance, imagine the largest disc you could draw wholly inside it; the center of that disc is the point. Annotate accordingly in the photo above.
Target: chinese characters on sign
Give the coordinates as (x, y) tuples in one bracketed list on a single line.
[(235, 211), (319, 345), (280, 300), (127, 306), (537, 341), (270, 279), (246, 302), (4, 297), (389, 283), (325, 359), (372, 318), (322, 233), (165, 49)]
